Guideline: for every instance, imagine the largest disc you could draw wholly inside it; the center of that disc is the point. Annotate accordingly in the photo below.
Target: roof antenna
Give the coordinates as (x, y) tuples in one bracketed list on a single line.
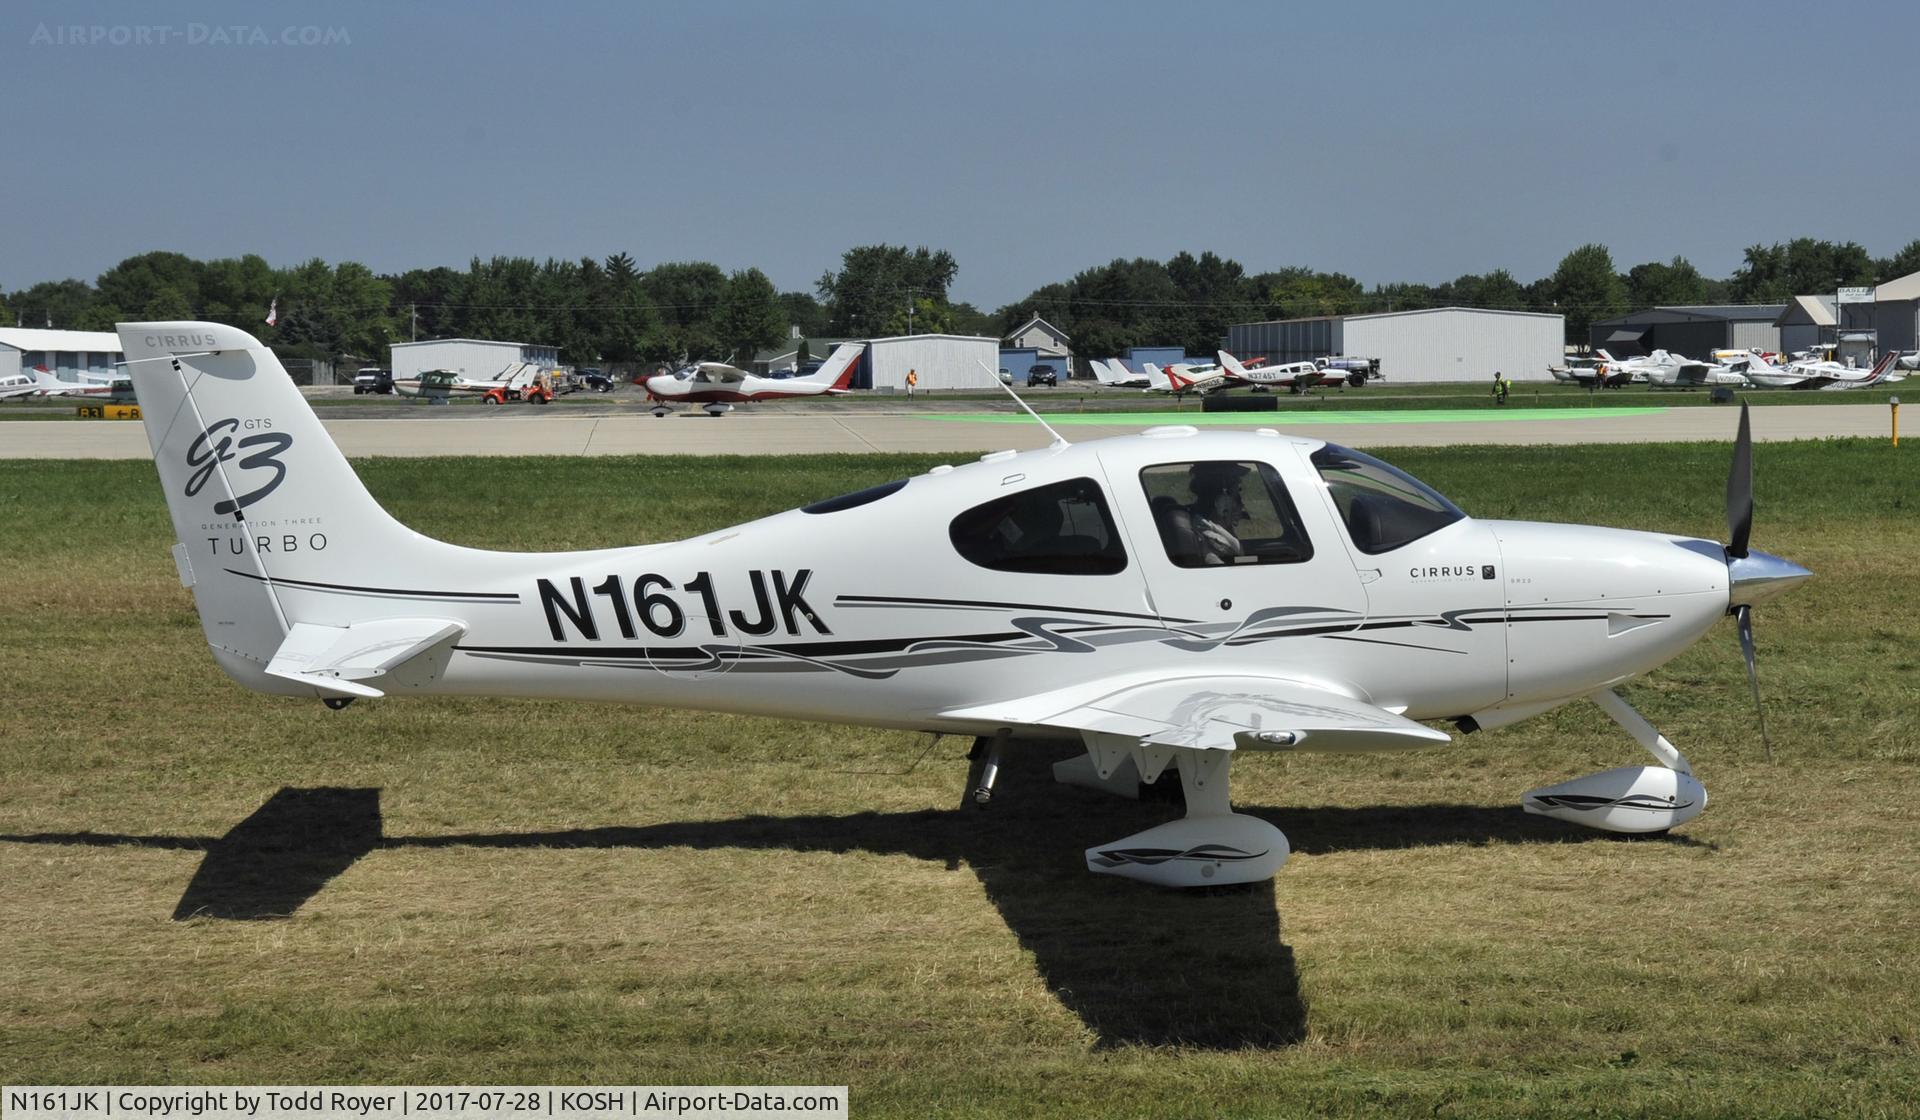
[(1058, 439)]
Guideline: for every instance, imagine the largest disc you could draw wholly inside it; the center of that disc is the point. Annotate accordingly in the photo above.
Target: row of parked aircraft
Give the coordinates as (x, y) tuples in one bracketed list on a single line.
[(715, 386), (41, 382), (1228, 372), (1737, 368)]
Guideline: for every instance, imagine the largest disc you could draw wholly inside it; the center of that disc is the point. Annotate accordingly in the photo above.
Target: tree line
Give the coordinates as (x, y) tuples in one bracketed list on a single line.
[(611, 312)]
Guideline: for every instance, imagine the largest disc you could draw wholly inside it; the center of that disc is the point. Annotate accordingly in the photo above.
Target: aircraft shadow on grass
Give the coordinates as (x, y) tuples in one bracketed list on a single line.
[(1138, 965)]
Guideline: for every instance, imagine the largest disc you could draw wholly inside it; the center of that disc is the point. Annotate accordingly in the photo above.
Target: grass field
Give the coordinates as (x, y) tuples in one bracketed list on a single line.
[(199, 884)]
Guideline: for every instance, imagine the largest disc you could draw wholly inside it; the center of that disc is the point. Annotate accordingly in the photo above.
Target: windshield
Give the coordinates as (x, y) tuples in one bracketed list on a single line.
[(1384, 507)]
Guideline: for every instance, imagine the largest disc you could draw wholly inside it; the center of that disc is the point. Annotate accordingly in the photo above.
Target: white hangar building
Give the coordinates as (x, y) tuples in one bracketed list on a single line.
[(939, 361), (1435, 344), (474, 358), (66, 354)]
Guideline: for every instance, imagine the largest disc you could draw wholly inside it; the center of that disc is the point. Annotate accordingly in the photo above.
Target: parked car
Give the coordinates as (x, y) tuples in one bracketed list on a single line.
[(372, 379), (592, 378), (1043, 374)]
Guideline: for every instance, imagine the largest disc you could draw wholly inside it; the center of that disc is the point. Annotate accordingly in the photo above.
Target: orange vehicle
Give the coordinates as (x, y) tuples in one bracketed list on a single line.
[(537, 391)]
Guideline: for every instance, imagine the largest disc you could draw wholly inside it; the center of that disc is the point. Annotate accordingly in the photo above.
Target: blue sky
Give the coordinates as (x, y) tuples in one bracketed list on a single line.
[(1390, 141)]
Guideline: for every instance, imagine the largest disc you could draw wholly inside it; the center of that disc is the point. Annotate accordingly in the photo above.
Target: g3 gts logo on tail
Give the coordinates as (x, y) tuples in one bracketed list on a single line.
[(206, 453)]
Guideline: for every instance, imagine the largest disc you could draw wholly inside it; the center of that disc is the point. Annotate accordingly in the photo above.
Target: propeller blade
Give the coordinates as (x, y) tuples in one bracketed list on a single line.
[(1744, 617), (1740, 489)]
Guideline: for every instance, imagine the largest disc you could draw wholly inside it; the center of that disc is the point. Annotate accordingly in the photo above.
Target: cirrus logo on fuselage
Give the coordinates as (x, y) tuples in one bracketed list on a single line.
[(207, 452)]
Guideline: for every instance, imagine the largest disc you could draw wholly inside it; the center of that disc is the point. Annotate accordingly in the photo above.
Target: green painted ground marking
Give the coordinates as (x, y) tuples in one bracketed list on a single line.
[(1278, 419)]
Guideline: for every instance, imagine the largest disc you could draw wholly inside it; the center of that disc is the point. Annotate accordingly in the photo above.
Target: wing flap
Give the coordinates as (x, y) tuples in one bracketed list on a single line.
[(1237, 712)]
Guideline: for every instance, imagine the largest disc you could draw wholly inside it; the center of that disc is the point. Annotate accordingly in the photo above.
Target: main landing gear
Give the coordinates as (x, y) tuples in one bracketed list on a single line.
[(1630, 798), (1211, 846)]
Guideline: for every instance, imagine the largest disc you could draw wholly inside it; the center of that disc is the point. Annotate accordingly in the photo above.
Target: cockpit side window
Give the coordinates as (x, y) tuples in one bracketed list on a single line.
[(1217, 513), (1063, 528), (1383, 506)]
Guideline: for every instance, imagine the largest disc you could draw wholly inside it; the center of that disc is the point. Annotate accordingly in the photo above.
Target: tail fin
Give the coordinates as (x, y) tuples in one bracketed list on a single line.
[(275, 529), (1231, 365), (1881, 368), (1111, 372), (1158, 377), (837, 373)]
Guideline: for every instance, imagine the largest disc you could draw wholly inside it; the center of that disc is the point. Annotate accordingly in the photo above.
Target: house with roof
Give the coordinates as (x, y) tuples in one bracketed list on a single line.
[(1037, 341), (1808, 321)]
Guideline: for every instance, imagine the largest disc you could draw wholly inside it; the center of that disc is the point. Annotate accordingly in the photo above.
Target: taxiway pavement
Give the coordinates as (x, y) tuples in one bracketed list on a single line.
[(802, 431)]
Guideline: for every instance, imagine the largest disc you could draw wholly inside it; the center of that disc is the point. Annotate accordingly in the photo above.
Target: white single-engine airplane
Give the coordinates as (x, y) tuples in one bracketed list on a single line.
[(716, 386), (1168, 601)]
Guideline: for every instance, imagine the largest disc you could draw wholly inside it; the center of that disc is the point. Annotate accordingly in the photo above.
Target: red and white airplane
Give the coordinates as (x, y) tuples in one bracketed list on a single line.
[(716, 386), (42, 382)]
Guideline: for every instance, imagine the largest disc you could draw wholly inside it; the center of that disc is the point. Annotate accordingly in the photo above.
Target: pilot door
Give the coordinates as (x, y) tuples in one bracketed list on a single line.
[(1235, 556)]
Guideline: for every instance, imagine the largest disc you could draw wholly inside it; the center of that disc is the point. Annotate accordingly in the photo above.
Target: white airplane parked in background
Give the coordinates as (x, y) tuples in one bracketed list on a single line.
[(19, 385), (1837, 375), (716, 386), (1167, 601), (517, 375), (1114, 374), (42, 382), (1293, 376), (1677, 371)]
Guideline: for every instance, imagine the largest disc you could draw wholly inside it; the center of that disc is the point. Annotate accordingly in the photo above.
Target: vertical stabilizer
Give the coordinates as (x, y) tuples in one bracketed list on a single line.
[(837, 372), (263, 503)]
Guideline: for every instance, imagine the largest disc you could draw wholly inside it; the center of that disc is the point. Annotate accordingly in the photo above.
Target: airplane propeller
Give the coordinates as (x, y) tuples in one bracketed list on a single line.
[(1752, 575)]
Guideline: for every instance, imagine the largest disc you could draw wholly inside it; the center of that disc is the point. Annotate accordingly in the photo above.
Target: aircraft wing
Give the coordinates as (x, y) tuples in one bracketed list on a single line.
[(1216, 712), (721, 373)]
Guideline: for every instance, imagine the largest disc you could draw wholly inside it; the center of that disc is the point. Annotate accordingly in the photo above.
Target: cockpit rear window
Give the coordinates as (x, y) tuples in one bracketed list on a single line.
[(1384, 507), (1063, 528), (857, 498)]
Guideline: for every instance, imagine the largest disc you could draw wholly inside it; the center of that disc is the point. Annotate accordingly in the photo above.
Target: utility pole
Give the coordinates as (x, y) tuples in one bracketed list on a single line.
[(413, 310)]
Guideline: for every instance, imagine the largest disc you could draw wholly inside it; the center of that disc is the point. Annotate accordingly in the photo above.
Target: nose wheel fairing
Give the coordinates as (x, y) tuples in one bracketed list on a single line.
[(1628, 798)]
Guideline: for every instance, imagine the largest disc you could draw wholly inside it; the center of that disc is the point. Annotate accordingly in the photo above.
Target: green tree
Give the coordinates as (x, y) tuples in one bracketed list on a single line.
[(1904, 263), (805, 313), (750, 316), (1674, 284), (877, 283), (1299, 293), (1497, 290), (682, 297), (426, 303), (628, 318), (238, 289), (1586, 289), (1801, 267), (965, 318), (150, 282), (62, 304), (1217, 295)]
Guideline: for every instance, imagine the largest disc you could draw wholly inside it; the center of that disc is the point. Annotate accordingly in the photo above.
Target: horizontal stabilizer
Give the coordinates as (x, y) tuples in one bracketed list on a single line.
[(336, 659), (1243, 712)]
